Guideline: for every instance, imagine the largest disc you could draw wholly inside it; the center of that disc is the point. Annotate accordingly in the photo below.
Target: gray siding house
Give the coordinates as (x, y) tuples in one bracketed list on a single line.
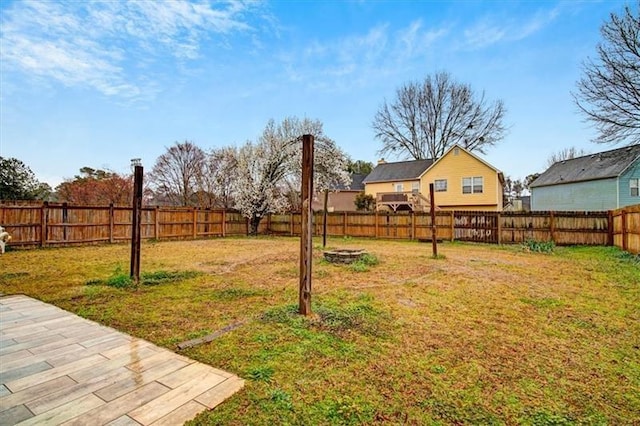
[(603, 181)]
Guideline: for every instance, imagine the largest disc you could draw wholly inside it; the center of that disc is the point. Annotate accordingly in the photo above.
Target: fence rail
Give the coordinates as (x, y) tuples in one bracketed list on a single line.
[(61, 224)]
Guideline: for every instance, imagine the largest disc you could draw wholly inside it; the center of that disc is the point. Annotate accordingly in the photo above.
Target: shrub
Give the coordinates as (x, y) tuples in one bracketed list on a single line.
[(539, 246)]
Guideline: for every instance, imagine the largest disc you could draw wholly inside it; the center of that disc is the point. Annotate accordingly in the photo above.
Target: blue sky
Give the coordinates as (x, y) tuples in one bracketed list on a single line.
[(96, 84)]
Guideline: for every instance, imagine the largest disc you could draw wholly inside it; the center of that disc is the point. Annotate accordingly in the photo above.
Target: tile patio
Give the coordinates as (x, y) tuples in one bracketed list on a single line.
[(57, 368)]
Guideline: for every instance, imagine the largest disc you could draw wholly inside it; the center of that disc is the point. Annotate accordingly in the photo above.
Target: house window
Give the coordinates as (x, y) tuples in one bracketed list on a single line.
[(472, 185), (399, 187), (634, 187), (440, 185), (415, 187)]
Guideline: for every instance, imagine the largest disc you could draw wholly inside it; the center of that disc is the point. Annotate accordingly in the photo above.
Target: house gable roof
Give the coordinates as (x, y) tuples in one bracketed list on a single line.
[(401, 170), (473, 156), (414, 169), (602, 165)]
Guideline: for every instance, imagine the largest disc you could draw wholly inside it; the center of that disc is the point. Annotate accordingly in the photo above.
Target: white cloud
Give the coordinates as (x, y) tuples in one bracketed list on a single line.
[(357, 58), (490, 30), (98, 44)]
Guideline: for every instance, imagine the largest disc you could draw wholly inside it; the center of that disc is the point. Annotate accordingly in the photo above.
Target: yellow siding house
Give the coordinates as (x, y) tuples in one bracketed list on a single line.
[(462, 181)]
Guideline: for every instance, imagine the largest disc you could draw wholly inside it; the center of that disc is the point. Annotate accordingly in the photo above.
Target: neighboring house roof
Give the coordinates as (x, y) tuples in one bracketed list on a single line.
[(355, 185), (602, 165), (401, 170)]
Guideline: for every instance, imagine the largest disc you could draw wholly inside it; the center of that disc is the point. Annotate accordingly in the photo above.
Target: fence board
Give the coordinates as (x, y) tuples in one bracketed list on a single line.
[(626, 228)]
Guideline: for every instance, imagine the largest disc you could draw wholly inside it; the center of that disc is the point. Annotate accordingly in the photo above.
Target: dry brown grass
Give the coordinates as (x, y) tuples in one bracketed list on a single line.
[(485, 335)]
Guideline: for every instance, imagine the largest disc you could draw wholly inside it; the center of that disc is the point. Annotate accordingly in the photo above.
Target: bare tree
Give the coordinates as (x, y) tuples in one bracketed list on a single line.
[(215, 181), (175, 172), (565, 154), (427, 118), (609, 92)]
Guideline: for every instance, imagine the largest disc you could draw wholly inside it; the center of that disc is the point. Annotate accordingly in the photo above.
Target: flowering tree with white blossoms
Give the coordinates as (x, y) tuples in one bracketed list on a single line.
[(268, 173)]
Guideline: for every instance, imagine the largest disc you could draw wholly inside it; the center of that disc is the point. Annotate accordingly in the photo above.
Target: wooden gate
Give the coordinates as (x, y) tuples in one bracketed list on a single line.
[(480, 227)]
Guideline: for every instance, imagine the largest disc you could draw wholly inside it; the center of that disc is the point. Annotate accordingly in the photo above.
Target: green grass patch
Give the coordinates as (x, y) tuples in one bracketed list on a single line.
[(120, 279), (539, 246), (493, 335), (543, 302), (364, 262)]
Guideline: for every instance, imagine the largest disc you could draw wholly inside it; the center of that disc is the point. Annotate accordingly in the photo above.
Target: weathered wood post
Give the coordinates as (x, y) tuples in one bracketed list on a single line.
[(610, 228), (306, 234), (135, 224), (44, 219), (434, 230), (623, 218), (324, 218), (111, 222)]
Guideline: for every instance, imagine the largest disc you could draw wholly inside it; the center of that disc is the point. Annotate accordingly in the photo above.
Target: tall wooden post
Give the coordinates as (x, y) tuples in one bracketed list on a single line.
[(324, 218), (306, 234), (135, 224), (434, 230)]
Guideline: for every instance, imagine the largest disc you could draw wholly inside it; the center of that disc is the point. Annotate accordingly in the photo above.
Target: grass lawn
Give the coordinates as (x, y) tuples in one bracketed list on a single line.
[(483, 335)]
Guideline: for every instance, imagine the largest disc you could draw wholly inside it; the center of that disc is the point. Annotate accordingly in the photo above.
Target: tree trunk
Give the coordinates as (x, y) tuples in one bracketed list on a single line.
[(254, 222)]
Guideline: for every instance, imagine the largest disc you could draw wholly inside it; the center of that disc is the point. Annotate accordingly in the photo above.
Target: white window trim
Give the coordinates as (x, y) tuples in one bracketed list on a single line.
[(446, 185), (473, 185), (636, 187)]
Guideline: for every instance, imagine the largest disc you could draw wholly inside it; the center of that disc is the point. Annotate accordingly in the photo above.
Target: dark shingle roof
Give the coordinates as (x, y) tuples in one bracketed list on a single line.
[(401, 170), (355, 185), (602, 165)]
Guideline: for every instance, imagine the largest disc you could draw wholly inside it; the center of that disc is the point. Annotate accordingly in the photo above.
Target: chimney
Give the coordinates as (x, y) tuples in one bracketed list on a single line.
[(381, 161)]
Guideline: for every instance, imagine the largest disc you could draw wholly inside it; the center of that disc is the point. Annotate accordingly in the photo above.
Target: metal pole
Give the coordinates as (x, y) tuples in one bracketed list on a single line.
[(306, 234), (135, 224)]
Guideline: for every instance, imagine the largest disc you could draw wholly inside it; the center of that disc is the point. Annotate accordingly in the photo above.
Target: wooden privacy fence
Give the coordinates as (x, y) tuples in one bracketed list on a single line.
[(61, 224), (625, 228)]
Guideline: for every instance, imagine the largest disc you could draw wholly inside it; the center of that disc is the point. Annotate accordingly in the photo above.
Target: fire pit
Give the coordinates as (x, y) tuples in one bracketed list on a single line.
[(343, 255)]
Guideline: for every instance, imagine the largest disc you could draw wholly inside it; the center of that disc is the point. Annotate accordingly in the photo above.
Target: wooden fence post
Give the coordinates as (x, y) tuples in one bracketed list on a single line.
[(224, 223), (65, 218), (375, 213), (44, 218), (111, 224), (434, 230), (552, 226), (453, 226), (324, 218), (306, 234), (156, 223), (624, 230), (413, 226), (135, 224), (610, 228), (195, 223), (499, 219), (344, 224)]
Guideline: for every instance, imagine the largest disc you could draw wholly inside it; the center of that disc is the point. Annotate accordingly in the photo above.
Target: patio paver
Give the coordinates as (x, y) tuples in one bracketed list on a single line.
[(57, 368)]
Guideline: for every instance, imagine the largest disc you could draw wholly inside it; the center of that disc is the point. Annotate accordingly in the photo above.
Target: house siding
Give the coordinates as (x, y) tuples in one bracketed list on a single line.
[(625, 197), (456, 167), (595, 195)]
